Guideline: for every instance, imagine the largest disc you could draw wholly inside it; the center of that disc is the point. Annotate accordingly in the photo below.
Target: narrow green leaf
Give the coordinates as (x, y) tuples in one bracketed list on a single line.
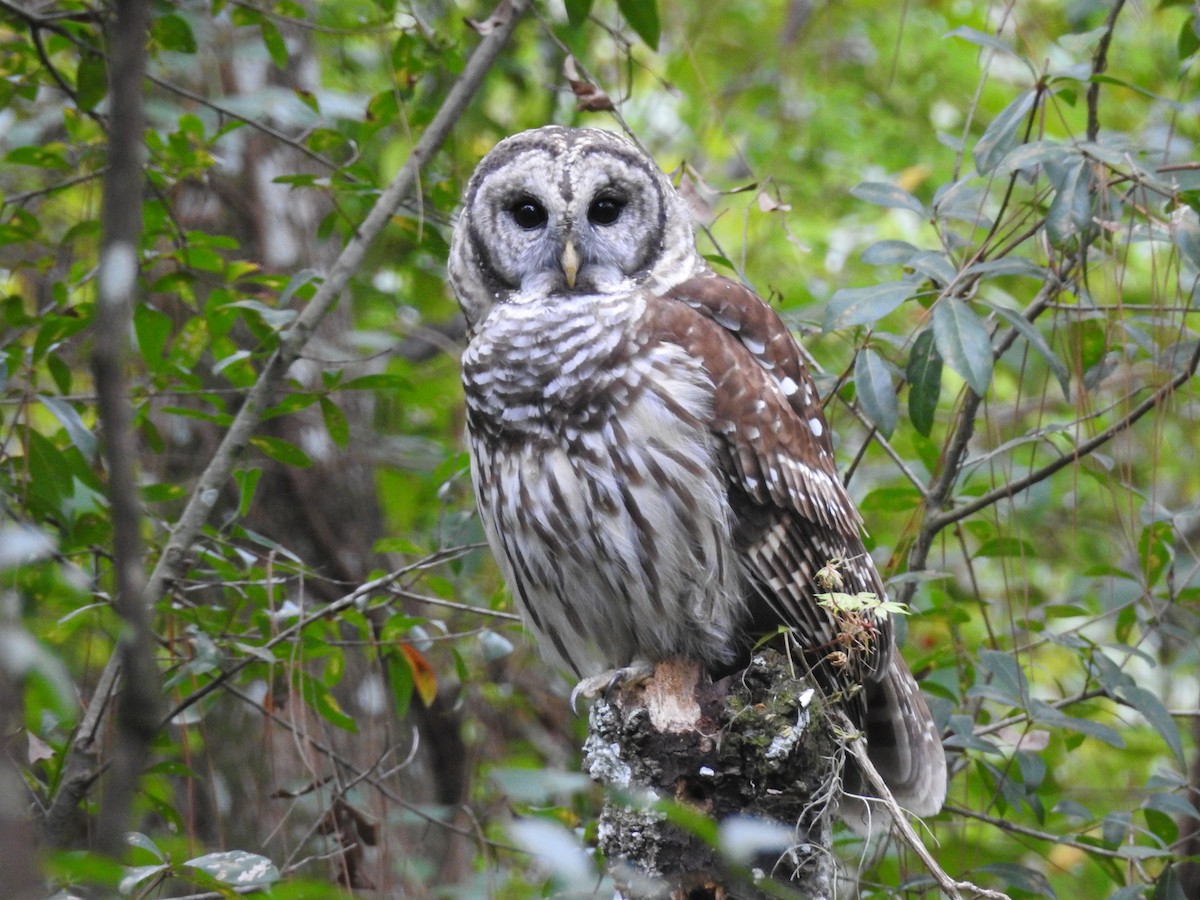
[(982, 39), (963, 342), (867, 305), (889, 253), (400, 676), (81, 436), (578, 11), (1070, 213), (335, 422), (876, 393), (1001, 136), (275, 43), (924, 374), (1006, 265), (882, 193), (91, 80), (934, 266), (1025, 157), (1155, 550), (1048, 715), (247, 482), (153, 329), (1159, 717), (642, 16), (281, 451), (1036, 340)]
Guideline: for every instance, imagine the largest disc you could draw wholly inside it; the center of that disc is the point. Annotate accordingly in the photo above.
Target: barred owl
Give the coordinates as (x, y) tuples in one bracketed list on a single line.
[(651, 462)]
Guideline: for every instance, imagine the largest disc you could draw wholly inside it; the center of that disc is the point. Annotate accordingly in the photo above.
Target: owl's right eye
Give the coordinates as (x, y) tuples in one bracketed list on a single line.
[(528, 213)]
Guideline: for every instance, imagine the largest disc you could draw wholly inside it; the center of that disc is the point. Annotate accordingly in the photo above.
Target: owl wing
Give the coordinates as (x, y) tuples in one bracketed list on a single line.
[(793, 515)]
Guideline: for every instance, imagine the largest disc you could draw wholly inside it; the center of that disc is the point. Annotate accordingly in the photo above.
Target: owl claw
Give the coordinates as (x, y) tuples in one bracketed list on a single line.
[(606, 682)]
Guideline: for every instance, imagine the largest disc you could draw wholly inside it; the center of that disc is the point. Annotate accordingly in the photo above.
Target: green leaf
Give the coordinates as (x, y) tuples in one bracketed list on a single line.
[(1035, 339), (247, 482), (137, 839), (865, 306), (1046, 714), (1189, 38), (884, 194), (281, 451), (335, 422), (153, 330), (982, 39), (963, 342), (91, 80), (876, 392), (237, 867), (924, 374), (137, 875), (274, 41), (400, 677), (889, 253), (1159, 717), (578, 11), (1070, 213), (1155, 550), (81, 436), (1000, 678), (1001, 136), (642, 16), (172, 32)]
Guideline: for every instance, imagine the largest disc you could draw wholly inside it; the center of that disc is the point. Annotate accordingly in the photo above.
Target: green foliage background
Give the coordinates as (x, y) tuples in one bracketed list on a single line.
[(1000, 307)]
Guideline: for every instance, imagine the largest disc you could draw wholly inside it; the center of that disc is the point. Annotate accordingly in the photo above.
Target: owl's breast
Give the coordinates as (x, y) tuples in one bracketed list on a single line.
[(552, 366)]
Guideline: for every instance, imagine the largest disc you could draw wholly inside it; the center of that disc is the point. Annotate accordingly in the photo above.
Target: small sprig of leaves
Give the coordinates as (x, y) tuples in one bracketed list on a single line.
[(864, 603)]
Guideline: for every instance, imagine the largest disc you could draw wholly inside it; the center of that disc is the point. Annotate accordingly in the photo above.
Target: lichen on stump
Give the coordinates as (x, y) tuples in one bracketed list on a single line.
[(754, 744)]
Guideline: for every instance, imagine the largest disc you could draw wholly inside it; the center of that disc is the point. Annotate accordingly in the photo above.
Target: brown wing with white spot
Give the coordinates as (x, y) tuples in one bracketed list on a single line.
[(793, 516)]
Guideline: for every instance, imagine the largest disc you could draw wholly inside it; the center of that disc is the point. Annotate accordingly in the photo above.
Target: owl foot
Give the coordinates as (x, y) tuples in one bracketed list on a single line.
[(606, 682)]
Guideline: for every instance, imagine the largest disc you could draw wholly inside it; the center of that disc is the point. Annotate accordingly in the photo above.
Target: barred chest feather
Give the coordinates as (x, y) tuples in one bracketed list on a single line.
[(596, 479)]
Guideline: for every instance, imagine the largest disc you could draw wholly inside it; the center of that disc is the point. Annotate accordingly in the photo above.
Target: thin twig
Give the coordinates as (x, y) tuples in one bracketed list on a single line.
[(1099, 64), (949, 886)]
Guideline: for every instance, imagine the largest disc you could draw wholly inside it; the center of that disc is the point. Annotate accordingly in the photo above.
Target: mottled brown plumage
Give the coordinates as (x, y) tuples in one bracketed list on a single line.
[(651, 461)]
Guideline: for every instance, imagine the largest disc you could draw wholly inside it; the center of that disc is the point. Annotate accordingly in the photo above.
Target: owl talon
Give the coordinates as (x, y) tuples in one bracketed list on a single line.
[(606, 682)]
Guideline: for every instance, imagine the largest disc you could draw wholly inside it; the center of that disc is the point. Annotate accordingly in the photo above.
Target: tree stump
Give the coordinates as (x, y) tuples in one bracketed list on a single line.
[(753, 752)]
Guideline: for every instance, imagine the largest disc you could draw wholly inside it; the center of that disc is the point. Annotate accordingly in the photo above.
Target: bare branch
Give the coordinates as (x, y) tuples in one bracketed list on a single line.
[(1099, 64)]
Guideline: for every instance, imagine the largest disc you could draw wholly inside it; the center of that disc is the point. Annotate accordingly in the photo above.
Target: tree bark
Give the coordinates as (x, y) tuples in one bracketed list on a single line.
[(753, 752)]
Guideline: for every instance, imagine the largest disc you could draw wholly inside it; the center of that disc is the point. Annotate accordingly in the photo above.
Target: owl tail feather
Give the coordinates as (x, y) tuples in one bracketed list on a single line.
[(905, 748)]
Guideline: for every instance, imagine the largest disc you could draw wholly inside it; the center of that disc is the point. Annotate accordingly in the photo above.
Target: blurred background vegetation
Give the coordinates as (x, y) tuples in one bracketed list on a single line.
[(980, 218)]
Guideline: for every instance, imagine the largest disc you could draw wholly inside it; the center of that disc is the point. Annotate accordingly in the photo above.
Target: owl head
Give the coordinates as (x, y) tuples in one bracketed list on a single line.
[(558, 210)]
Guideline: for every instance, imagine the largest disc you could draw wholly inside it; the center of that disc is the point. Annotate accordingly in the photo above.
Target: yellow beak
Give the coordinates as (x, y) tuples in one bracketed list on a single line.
[(570, 263)]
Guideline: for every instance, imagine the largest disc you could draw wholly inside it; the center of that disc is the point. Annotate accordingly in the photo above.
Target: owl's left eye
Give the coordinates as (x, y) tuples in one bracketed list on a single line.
[(528, 213), (605, 210)]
